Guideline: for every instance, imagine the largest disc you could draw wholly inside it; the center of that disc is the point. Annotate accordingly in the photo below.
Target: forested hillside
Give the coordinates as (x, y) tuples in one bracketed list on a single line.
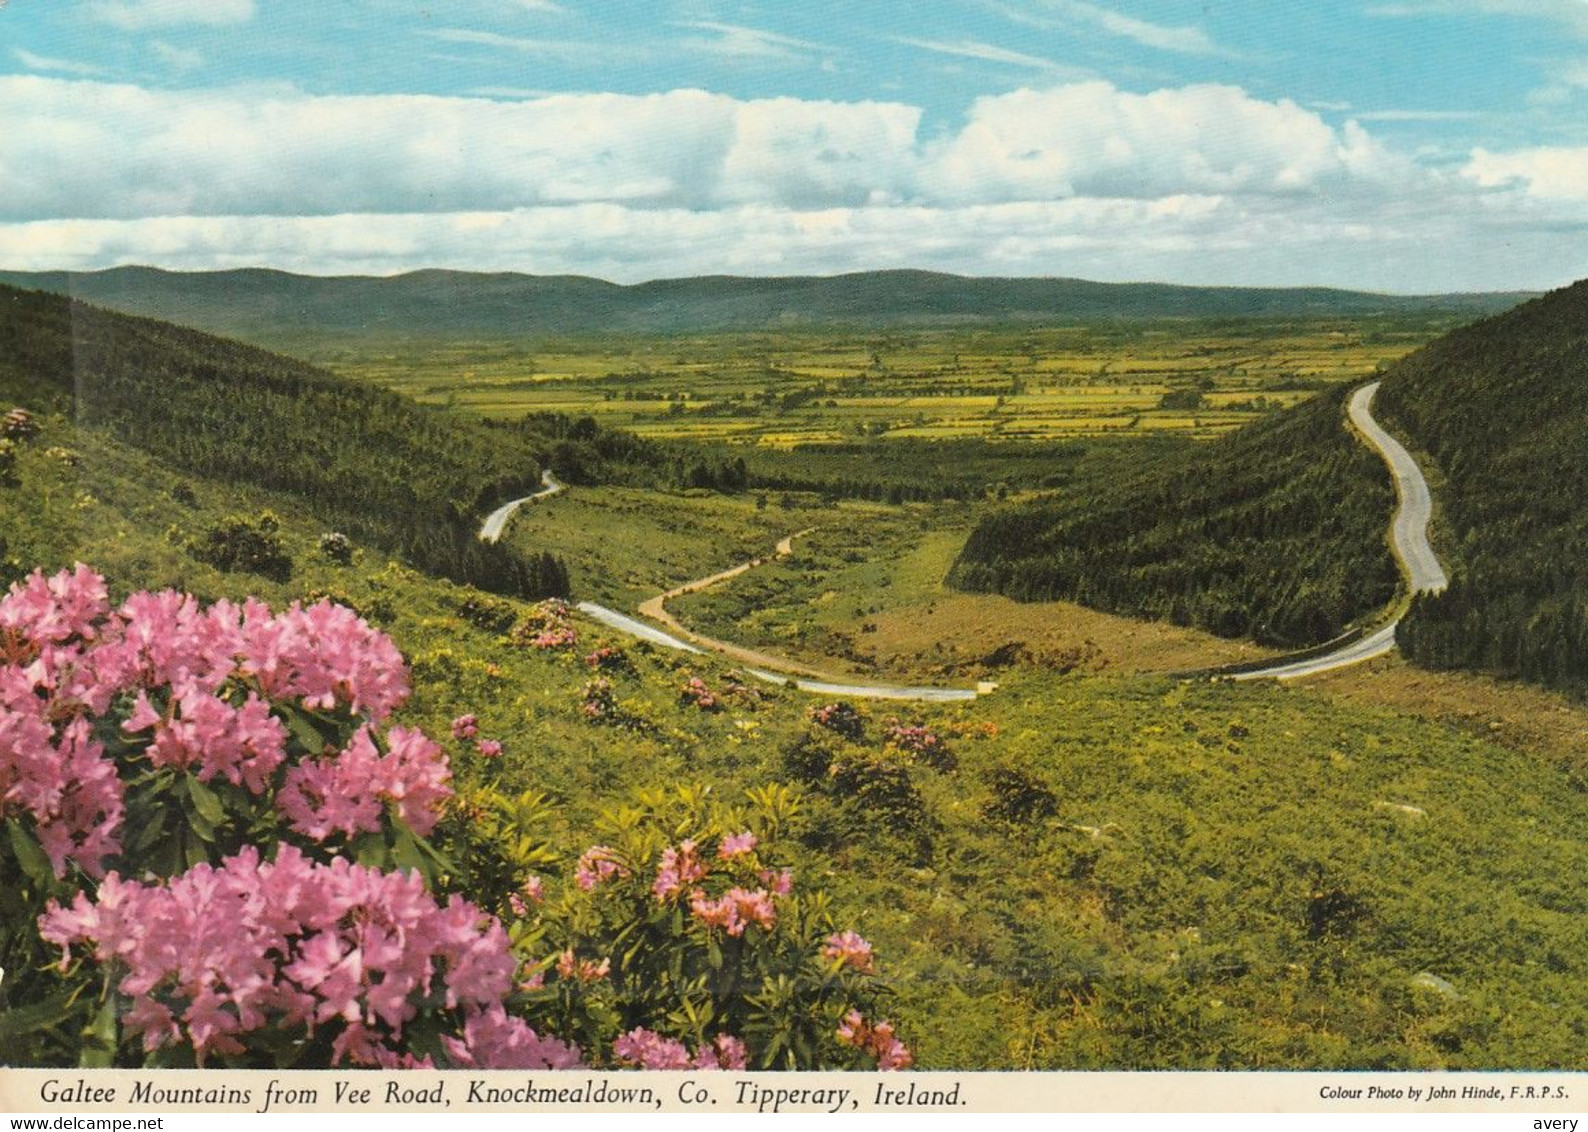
[(367, 462), (1502, 408), (1275, 532)]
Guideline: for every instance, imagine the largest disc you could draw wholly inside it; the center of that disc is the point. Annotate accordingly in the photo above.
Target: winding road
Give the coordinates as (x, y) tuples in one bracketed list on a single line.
[(496, 522), (1408, 538), (763, 666)]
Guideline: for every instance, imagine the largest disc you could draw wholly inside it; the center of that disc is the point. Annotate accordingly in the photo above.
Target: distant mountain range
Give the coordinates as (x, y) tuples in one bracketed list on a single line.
[(263, 304)]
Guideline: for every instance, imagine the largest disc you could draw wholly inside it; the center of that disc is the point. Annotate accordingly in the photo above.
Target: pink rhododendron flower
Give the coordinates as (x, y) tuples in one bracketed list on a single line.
[(646, 1049), (723, 913), (256, 945), (879, 1041), (344, 794), (582, 970), (325, 655), (726, 1052), (849, 950), (64, 783), (210, 737), (493, 1039), (489, 748), (598, 863), (679, 867), (465, 727), (781, 883), (736, 845), (735, 910), (40, 610)]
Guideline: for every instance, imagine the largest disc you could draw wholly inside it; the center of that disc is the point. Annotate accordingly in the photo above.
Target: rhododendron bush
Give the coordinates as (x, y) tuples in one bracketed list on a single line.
[(218, 850), (686, 933)]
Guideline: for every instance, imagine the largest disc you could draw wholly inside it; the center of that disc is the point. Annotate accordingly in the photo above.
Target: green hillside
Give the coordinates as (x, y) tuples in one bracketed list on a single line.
[(273, 306), (1274, 532), (1501, 407), (1076, 872), (366, 462)]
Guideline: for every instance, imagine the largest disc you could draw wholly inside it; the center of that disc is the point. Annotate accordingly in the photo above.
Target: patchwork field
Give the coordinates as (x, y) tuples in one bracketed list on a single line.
[(784, 390)]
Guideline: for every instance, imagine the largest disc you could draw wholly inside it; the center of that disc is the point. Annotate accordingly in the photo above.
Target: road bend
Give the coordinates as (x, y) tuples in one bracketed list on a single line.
[(496, 522), (1408, 539)]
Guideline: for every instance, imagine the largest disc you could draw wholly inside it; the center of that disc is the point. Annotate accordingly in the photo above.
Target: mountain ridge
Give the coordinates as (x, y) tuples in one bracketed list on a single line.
[(249, 302)]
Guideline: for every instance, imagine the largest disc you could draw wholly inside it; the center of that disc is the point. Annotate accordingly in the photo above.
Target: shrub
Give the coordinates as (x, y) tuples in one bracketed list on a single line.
[(683, 942), (18, 424), (841, 719), (1017, 796), (489, 613), (609, 658), (335, 547), (249, 545), (548, 626), (696, 693), (920, 742)]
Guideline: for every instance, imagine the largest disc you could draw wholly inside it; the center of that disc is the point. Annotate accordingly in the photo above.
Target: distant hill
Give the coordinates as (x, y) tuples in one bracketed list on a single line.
[(1274, 533), (265, 305), (1502, 408)]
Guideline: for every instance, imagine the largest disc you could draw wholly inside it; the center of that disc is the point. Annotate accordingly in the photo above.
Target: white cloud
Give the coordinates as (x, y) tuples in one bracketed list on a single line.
[(1183, 39), (748, 45), (45, 63), (1556, 173), (1572, 14), (1191, 239), (1417, 115), (1197, 184), (985, 52), (1090, 139), (177, 58), (573, 50), (222, 152), (136, 15)]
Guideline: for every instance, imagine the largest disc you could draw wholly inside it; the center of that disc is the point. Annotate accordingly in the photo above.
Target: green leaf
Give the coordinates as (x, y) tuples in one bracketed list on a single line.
[(102, 1036), (206, 801), (305, 732), (370, 849), (405, 850), (24, 1020), (29, 855)]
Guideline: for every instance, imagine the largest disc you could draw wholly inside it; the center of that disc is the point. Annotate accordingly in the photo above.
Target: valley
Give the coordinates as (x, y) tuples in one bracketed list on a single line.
[(1098, 864)]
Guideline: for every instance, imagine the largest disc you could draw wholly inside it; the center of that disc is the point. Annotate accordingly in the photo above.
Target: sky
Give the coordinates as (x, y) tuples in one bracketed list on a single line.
[(1392, 145)]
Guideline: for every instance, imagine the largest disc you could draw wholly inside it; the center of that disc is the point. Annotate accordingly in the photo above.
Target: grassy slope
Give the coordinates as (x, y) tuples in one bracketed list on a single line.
[(1501, 408)]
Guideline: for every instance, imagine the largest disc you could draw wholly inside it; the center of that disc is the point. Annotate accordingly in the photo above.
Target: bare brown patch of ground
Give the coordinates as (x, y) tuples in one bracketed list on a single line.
[(980, 634)]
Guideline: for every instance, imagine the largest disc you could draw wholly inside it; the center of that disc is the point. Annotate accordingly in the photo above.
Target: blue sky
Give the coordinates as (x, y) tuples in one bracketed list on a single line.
[(1408, 145)]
